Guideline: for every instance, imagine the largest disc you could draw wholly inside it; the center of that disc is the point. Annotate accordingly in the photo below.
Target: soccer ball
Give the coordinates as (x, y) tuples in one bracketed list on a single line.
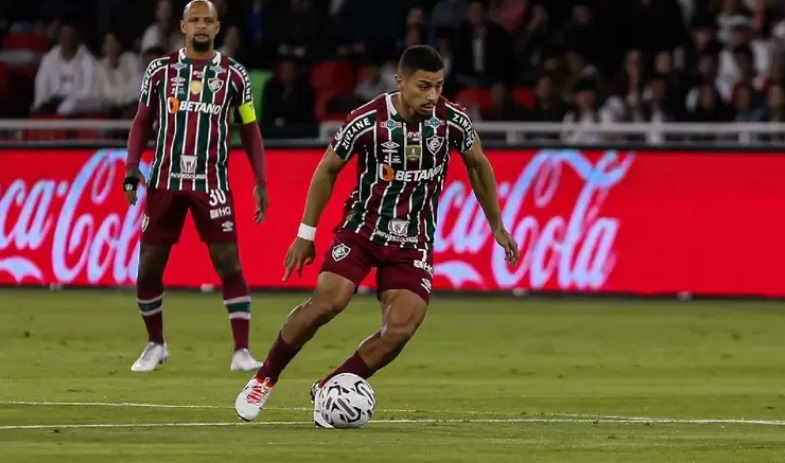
[(346, 401)]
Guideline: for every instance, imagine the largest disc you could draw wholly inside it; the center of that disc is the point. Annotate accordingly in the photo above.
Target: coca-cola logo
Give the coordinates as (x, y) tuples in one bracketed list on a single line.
[(71, 218), (576, 246)]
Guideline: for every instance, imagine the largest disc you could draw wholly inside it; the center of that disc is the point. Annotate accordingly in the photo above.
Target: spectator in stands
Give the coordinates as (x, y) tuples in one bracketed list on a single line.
[(653, 107), (584, 34), (375, 82), (743, 58), (233, 44), (297, 29), (288, 99), (710, 106), (585, 113), (547, 104), (707, 75), (529, 43), (760, 52), (630, 80), (775, 105), (508, 13), (744, 105), (503, 107), (727, 17), (703, 39), (449, 14), (64, 82), (482, 50), (676, 85), (362, 27), (114, 73), (165, 31)]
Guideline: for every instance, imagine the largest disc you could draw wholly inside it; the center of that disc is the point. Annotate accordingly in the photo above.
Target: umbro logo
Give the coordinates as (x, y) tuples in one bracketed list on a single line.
[(390, 145)]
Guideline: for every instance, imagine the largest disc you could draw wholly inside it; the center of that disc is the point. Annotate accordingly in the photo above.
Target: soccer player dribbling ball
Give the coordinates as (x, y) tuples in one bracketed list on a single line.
[(403, 142), (193, 91)]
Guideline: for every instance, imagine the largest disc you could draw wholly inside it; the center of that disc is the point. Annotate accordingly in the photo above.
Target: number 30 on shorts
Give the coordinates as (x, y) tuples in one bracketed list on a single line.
[(217, 197)]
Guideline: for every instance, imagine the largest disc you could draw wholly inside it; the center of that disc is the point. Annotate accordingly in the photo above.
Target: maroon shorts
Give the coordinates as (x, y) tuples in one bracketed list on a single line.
[(352, 257), (165, 212)]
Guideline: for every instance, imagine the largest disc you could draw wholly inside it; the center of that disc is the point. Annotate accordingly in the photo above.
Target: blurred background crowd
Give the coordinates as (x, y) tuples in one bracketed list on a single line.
[(506, 60)]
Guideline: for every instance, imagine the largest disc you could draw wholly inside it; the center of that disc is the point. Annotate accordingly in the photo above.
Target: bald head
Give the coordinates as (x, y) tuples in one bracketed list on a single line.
[(200, 25), (200, 4)]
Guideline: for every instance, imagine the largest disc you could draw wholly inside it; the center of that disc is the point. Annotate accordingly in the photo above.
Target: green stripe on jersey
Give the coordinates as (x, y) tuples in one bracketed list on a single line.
[(163, 116), (394, 188), (428, 160), (367, 179), (178, 142), (203, 133)]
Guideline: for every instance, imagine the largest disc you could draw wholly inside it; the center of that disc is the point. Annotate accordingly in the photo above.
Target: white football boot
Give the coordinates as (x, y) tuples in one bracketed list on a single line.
[(153, 355), (249, 403), (318, 420), (242, 361)]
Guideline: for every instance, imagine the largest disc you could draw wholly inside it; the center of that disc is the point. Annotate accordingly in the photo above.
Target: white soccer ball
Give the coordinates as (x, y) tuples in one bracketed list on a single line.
[(346, 401)]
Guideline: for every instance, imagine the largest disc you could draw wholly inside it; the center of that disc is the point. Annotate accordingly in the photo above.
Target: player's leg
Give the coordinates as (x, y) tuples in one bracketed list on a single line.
[(403, 312), (213, 215), (404, 284), (336, 284), (161, 225), (237, 300)]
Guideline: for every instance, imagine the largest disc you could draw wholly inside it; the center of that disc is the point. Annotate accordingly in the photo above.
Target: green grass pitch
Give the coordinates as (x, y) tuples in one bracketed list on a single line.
[(485, 379)]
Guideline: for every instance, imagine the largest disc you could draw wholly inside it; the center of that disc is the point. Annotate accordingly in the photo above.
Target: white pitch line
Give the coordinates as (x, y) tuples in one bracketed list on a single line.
[(628, 420), (146, 405), (554, 417)]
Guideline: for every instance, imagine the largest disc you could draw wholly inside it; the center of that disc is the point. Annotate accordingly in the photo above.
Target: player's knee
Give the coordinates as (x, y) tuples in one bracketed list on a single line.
[(397, 335), (225, 259), (321, 312), (152, 262)]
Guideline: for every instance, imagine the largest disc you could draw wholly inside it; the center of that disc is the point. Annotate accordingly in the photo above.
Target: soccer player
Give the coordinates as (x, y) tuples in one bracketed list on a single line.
[(193, 92), (403, 142)]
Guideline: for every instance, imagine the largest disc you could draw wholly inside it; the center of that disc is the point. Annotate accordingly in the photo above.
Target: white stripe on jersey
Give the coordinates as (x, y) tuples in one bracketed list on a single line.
[(375, 177)]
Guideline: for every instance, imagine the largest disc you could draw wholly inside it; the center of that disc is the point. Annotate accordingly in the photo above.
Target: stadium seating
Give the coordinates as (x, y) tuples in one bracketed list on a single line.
[(30, 41)]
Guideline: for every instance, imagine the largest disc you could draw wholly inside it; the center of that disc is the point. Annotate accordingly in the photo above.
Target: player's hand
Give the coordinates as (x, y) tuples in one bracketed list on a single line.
[(260, 194), (302, 252), (133, 178), (506, 241)]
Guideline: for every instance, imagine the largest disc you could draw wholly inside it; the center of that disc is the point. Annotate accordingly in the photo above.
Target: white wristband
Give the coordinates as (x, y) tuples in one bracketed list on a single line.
[(306, 232)]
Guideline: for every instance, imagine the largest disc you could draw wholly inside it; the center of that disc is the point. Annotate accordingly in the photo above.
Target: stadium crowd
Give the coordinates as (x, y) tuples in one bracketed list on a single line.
[(506, 60)]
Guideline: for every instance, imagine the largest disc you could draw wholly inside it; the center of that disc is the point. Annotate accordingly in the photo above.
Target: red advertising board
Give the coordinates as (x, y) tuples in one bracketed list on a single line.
[(587, 221)]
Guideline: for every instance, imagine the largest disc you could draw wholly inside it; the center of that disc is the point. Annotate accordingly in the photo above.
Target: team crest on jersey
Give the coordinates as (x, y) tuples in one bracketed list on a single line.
[(433, 123), (215, 84), (340, 252), (398, 227), (413, 153), (434, 143), (187, 164)]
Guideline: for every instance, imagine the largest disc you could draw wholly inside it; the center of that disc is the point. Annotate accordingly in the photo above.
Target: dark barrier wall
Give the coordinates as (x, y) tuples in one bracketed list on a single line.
[(587, 221)]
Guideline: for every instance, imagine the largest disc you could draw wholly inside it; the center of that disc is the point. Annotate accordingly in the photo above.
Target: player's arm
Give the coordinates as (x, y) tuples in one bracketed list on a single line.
[(321, 188), (251, 137), (483, 183), (303, 251), (141, 129)]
